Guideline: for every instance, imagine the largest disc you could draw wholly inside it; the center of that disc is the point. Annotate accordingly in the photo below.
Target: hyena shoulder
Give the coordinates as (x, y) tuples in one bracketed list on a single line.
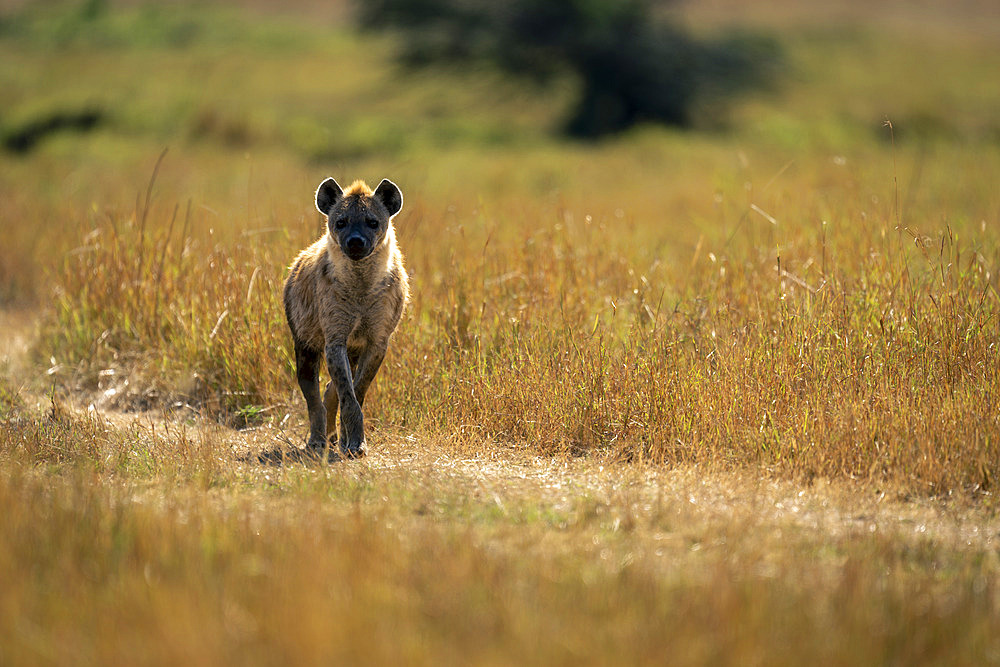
[(301, 294)]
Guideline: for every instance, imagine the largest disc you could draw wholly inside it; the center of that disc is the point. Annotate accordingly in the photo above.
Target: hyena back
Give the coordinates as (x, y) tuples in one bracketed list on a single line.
[(343, 299)]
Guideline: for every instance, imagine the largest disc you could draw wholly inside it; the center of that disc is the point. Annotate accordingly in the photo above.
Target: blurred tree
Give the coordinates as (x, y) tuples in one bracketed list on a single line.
[(633, 65)]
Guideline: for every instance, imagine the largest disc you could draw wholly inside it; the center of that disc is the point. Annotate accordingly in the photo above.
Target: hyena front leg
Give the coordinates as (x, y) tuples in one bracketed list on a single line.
[(365, 366), (352, 421), (307, 373), (368, 365)]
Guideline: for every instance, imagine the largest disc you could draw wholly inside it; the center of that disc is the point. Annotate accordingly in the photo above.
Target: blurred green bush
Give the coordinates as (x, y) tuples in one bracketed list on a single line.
[(632, 64)]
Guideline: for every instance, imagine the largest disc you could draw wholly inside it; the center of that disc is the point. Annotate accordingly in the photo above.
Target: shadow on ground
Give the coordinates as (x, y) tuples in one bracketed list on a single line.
[(283, 456)]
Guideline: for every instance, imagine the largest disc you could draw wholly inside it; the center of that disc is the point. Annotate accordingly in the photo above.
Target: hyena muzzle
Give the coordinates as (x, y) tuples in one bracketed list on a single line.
[(343, 299)]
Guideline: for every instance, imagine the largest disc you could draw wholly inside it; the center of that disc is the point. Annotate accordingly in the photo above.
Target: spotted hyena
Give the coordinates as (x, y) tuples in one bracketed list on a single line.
[(343, 299)]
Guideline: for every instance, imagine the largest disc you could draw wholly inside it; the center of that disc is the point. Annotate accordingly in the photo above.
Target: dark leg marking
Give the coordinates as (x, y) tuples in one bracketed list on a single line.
[(331, 401)]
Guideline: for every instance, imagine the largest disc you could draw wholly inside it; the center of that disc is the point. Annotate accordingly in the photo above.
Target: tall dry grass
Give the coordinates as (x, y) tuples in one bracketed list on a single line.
[(842, 350)]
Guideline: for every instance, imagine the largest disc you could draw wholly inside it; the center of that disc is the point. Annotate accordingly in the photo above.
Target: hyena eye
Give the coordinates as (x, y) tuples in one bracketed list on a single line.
[(372, 222), (340, 223)]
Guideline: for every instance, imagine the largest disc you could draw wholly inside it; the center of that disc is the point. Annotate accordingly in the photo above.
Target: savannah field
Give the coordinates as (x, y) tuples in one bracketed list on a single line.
[(720, 395)]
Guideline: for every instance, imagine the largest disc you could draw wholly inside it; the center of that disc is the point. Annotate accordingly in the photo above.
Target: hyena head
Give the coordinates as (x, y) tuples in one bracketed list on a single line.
[(358, 219)]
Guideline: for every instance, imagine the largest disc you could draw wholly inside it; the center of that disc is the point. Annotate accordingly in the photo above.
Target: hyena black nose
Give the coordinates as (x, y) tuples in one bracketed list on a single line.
[(356, 246)]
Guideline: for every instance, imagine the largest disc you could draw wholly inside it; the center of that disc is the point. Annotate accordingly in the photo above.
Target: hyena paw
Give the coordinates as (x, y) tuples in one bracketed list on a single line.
[(355, 450), (314, 445)]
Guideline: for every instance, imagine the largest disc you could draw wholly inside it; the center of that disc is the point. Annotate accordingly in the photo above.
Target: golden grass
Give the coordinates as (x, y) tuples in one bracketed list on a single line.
[(722, 396), (144, 548), (808, 348)]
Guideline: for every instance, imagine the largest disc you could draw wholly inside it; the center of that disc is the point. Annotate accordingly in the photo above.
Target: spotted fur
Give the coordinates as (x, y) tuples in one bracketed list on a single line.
[(343, 297)]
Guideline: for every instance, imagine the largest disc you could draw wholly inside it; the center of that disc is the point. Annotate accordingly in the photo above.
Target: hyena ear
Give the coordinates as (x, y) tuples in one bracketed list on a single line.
[(327, 194), (388, 193)]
